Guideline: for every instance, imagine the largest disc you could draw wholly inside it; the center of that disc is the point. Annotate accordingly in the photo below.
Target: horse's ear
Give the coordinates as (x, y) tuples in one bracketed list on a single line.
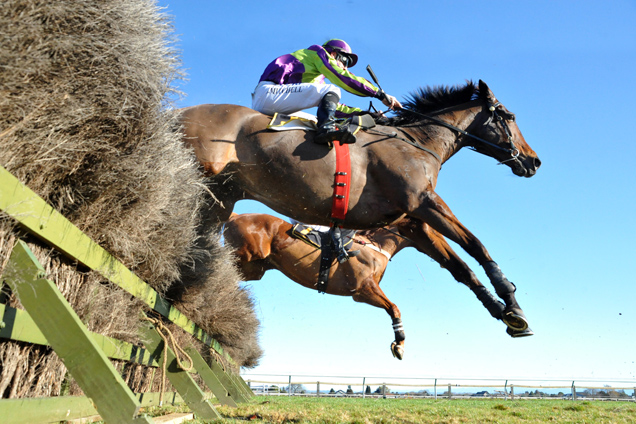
[(485, 93)]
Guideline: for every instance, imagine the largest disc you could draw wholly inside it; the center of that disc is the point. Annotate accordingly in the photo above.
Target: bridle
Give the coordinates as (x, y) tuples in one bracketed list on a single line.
[(512, 150)]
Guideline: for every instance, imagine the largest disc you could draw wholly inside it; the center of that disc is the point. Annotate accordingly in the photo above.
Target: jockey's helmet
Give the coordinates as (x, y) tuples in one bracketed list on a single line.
[(341, 47)]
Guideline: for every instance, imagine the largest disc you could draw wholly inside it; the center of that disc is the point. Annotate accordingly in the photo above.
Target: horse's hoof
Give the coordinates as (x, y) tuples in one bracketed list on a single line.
[(397, 350), (515, 334), (515, 320)]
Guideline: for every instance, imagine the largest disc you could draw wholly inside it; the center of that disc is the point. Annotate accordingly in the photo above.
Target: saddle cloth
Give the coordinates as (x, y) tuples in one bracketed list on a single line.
[(317, 238), (305, 121)]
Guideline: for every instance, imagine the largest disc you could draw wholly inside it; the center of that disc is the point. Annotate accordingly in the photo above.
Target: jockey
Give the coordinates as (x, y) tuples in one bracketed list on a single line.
[(295, 81)]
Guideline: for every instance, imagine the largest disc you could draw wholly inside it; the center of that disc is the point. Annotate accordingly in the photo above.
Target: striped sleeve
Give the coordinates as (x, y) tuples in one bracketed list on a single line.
[(327, 66), (344, 111)]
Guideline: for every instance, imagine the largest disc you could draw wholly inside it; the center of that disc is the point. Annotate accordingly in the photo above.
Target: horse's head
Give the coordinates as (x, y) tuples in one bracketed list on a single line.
[(497, 135)]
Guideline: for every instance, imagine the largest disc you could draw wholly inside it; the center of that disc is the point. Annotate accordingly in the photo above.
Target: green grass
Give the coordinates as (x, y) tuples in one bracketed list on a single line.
[(356, 410)]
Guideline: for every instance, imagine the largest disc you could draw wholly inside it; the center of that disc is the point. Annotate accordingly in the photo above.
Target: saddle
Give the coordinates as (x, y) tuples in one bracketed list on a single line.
[(326, 241), (307, 122), (317, 239)]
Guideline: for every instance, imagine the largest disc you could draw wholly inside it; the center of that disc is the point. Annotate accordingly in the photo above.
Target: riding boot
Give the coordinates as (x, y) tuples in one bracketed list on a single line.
[(328, 131)]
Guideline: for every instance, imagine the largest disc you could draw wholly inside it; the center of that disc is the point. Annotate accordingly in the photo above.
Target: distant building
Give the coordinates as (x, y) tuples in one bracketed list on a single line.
[(483, 393)]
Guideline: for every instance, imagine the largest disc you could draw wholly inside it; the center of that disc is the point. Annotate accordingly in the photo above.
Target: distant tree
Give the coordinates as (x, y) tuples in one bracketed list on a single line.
[(379, 390), (368, 390), (332, 391), (297, 388), (349, 390)]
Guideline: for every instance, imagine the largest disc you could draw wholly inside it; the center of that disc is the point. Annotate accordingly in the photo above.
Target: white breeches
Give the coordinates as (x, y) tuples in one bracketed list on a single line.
[(269, 98)]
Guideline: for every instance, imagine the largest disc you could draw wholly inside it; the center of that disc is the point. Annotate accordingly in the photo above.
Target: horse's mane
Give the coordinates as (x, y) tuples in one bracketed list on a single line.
[(430, 99)]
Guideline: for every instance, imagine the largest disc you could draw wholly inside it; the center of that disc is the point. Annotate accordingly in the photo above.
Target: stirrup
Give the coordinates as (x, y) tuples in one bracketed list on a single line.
[(344, 135), (341, 134), (326, 137), (344, 256)]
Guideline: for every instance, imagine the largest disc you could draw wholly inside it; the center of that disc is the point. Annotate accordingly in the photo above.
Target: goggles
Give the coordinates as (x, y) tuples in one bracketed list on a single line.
[(344, 59)]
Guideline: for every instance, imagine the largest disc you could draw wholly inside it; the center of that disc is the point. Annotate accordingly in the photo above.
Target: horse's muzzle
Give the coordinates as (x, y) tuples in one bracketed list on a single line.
[(525, 167)]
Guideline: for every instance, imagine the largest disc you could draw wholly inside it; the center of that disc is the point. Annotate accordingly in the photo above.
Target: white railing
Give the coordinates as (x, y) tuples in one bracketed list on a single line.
[(448, 387)]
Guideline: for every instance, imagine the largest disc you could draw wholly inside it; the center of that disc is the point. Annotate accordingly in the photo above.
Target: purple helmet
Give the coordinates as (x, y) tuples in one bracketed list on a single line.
[(343, 48)]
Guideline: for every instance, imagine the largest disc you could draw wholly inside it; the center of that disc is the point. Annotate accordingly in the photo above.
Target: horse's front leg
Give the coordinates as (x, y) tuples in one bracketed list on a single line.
[(370, 293), (438, 215), (432, 243)]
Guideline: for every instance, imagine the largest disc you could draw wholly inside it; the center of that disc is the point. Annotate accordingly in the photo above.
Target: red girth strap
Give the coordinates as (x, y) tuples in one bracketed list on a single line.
[(342, 181)]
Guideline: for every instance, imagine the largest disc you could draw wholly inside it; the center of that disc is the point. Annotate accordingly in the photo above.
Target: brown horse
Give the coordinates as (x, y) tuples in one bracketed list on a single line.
[(263, 242), (394, 167)]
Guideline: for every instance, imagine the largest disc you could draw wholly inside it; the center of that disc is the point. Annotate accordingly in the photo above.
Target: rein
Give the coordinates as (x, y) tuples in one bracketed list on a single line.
[(410, 140), (514, 152)]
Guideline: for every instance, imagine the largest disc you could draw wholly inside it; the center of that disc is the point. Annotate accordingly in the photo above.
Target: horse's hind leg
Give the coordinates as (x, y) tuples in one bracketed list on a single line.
[(438, 215), (371, 293)]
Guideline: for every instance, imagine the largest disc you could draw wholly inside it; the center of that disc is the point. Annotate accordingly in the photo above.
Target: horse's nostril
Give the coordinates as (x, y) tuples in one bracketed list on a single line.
[(537, 163)]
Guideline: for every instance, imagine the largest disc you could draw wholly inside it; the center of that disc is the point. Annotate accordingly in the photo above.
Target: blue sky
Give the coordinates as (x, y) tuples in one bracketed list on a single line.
[(565, 237)]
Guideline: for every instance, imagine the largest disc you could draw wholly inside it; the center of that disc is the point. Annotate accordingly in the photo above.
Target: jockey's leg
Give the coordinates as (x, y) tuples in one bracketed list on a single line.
[(270, 98), (328, 131)]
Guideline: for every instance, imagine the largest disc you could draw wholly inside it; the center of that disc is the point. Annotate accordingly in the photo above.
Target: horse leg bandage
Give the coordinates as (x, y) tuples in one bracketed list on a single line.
[(493, 306), (398, 329), (503, 287)]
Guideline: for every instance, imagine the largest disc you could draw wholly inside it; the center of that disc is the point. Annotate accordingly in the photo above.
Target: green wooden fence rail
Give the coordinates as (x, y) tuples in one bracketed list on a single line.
[(86, 354), (30, 210), (16, 324), (66, 408)]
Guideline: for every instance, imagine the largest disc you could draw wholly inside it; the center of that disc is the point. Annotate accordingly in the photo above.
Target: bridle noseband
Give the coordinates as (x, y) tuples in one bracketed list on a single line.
[(514, 152)]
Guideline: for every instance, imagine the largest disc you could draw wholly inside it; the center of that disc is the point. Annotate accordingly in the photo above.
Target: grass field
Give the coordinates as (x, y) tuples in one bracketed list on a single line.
[(356, 410)]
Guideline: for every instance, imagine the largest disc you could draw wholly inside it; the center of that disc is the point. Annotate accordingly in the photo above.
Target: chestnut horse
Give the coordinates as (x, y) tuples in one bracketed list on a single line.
[(394, 167), (263, 242)]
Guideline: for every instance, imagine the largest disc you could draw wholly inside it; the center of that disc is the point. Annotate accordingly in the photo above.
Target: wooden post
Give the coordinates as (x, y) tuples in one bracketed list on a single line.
[(317, 388), (241, 385), (70, 339), (512, 392), (228, 382), (363, 390), (449, 391), (573, 391), (210, 378), (435, 389), (289, 388)]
